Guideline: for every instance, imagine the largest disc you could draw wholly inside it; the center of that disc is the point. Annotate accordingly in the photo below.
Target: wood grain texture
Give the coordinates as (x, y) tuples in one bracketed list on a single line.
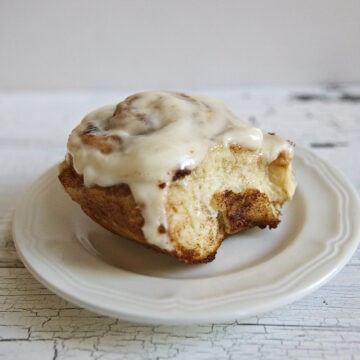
[(36, 324)]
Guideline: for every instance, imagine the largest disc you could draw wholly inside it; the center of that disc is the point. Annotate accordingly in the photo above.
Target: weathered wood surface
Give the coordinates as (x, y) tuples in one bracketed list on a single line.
[(36, 324)]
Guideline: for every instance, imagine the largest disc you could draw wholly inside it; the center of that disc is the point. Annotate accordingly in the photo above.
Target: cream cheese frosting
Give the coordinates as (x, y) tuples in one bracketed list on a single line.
[(152, 136)]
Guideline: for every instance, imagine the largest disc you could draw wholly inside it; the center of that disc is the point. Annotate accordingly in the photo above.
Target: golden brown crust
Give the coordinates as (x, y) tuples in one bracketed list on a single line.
[(113, 207)]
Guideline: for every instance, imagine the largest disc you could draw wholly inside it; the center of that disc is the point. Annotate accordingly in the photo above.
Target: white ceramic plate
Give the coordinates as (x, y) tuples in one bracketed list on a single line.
[(253, 272)]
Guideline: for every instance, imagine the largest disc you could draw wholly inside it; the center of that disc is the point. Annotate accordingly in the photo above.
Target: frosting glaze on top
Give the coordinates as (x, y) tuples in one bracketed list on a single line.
[(144, 140)]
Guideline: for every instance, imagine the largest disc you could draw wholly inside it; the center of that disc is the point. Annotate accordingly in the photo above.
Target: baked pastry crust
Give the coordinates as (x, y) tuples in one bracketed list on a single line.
[(242, 190)]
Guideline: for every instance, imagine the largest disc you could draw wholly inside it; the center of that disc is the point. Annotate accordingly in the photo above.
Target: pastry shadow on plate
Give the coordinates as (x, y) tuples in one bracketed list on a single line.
[(237, 253)]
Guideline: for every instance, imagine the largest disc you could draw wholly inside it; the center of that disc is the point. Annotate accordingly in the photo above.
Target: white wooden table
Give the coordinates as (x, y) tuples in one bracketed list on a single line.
[(36, 324)]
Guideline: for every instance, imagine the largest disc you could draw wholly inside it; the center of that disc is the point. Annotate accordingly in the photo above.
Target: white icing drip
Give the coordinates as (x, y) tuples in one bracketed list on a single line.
[(273, 145), (159, 133)]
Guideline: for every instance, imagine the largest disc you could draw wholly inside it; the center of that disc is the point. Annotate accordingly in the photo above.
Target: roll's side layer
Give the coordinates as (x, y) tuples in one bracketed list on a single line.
[(232, 190), (113, 207)]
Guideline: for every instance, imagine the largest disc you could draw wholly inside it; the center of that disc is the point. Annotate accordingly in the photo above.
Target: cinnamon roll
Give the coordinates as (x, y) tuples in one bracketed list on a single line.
[(175, 172)]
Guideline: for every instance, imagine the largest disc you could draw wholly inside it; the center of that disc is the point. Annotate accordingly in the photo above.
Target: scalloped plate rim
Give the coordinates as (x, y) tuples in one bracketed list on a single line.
[(179, 311)]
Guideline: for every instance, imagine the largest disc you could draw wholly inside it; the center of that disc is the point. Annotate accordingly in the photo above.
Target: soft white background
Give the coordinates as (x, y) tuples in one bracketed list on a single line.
[(123, 44)]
